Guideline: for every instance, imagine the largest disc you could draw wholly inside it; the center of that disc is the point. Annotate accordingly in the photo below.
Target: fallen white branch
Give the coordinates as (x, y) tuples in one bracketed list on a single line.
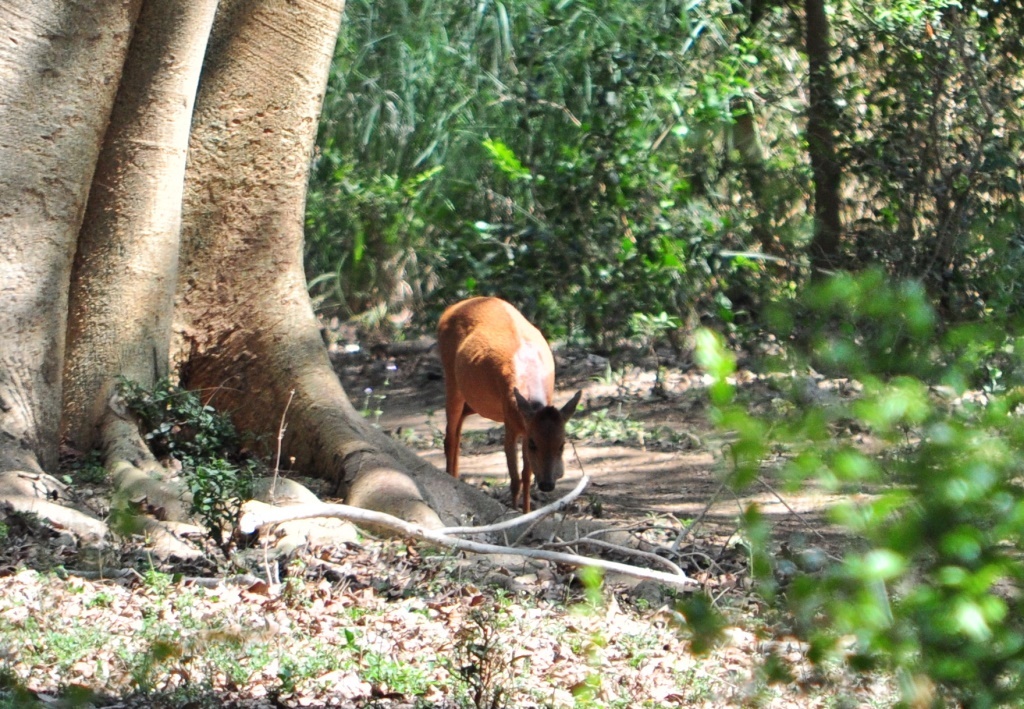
[(556, 506), (257, 514)]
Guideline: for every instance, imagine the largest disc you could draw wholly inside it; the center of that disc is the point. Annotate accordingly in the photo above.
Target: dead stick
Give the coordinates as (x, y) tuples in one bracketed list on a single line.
[(257, 514), (555, 506), (650, 556)]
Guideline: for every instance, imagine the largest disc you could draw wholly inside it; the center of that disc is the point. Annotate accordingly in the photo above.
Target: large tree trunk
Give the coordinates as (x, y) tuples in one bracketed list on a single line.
[(822, 119), (125, 270), (60, 64), (249, 334), (246, 321)]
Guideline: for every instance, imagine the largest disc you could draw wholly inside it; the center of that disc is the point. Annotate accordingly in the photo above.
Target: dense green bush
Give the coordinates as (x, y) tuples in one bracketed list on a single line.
[(569, 156), (591, 160), (931, 139)]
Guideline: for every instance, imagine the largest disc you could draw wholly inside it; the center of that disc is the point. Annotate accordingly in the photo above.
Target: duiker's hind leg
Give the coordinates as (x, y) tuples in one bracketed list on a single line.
[(456, 410)]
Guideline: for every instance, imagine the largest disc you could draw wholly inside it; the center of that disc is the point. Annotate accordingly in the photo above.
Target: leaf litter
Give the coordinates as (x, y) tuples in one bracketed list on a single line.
[(385, 624), (390, 624)]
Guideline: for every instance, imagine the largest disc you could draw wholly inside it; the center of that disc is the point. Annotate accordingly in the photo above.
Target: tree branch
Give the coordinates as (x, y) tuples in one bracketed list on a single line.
[(611, 546), (556, 506), (257, 514)]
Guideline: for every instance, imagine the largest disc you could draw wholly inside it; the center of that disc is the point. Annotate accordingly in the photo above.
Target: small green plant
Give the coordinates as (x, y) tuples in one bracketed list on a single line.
[(319, 660), (605, 426), (89, 468), (398, 677), (372, 403), (157, 581), (62, 649), (147, 667), (612, 377), (218, 490), (100, 600), (648, 330), (697, 684), (231, 655), (176, 423)]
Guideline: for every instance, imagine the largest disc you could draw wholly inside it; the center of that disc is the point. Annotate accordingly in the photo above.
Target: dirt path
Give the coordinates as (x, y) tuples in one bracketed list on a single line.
[(647, 454)]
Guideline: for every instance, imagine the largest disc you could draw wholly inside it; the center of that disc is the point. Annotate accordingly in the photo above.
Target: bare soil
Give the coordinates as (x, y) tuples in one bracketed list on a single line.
[(646, 440)]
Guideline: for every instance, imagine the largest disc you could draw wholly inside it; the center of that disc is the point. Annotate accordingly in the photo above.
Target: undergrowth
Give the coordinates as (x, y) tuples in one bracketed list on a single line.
[(937, 530), (217, 470)]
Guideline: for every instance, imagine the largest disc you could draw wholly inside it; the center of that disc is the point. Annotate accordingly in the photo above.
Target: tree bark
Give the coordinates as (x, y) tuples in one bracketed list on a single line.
[(125, 270), (822, 119), (60, 65), (249, 336), (748, 146)]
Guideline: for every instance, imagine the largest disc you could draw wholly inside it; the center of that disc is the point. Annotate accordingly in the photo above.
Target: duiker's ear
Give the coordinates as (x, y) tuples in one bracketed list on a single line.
[(570, 408), (526, 408)]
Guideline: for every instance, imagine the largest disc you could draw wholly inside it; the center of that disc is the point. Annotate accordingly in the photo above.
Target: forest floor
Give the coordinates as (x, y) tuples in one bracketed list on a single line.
[(389, 624), (642, 432)]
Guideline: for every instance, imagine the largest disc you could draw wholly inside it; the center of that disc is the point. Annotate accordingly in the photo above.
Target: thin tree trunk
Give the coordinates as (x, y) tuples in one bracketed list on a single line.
[(248, 330), (822, 119), (125, 270), (60, 65), (748, 145)]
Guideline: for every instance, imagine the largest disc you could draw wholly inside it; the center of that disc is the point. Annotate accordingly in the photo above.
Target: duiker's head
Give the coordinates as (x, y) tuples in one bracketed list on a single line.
[(545, 438)]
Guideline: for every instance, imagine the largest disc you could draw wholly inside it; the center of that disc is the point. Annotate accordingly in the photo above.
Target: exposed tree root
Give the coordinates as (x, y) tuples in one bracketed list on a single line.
[(138, 478), (169, 540), (38, 494), (137, 474)]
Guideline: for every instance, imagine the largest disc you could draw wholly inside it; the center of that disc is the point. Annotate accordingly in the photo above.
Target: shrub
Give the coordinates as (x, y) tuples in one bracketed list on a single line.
[(926, 589), (177, 424)]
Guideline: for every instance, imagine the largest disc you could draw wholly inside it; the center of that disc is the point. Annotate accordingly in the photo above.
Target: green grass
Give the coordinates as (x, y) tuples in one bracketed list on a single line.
[(398, 677), (296, 669), (100, 600), (58, 648), (697, 685), (602, 425)]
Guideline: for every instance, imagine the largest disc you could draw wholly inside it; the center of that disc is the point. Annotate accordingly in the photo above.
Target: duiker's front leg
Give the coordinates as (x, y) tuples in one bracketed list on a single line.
[(513, 467), (527, 477)]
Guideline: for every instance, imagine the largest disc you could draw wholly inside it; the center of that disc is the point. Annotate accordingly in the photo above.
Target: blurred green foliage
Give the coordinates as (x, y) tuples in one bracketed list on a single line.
[(930, 587)]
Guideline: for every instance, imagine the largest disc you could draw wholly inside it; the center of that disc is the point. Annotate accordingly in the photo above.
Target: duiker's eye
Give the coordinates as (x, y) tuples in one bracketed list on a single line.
[(533, 444)]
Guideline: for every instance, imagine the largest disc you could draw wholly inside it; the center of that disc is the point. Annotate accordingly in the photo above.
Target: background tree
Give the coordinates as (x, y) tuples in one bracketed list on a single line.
[(822, 121)]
